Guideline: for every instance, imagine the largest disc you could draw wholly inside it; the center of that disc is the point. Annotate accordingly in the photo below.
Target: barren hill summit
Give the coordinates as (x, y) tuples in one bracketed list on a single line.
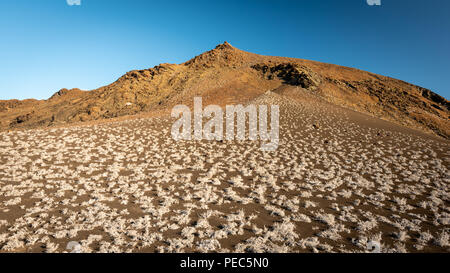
[(227, 75)]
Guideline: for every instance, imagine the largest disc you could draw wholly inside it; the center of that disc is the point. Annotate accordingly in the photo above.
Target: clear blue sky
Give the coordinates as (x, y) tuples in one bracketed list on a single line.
[(46, 45)]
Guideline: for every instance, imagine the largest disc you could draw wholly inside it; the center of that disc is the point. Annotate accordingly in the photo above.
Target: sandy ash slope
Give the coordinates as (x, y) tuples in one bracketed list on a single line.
[(338, 180)]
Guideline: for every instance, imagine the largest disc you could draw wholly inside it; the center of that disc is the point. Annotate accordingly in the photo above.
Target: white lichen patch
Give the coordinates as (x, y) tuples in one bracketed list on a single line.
[(127, 186)]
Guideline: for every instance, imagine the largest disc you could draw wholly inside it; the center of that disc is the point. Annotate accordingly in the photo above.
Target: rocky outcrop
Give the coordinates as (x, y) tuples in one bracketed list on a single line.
[(290, 73)]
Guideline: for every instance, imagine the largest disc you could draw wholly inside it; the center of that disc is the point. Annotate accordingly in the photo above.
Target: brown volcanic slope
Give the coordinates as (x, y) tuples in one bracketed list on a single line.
[(228, 75)]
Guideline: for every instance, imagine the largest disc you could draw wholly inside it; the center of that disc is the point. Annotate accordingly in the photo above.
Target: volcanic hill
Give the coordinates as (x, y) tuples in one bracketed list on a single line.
[(228, 75)]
